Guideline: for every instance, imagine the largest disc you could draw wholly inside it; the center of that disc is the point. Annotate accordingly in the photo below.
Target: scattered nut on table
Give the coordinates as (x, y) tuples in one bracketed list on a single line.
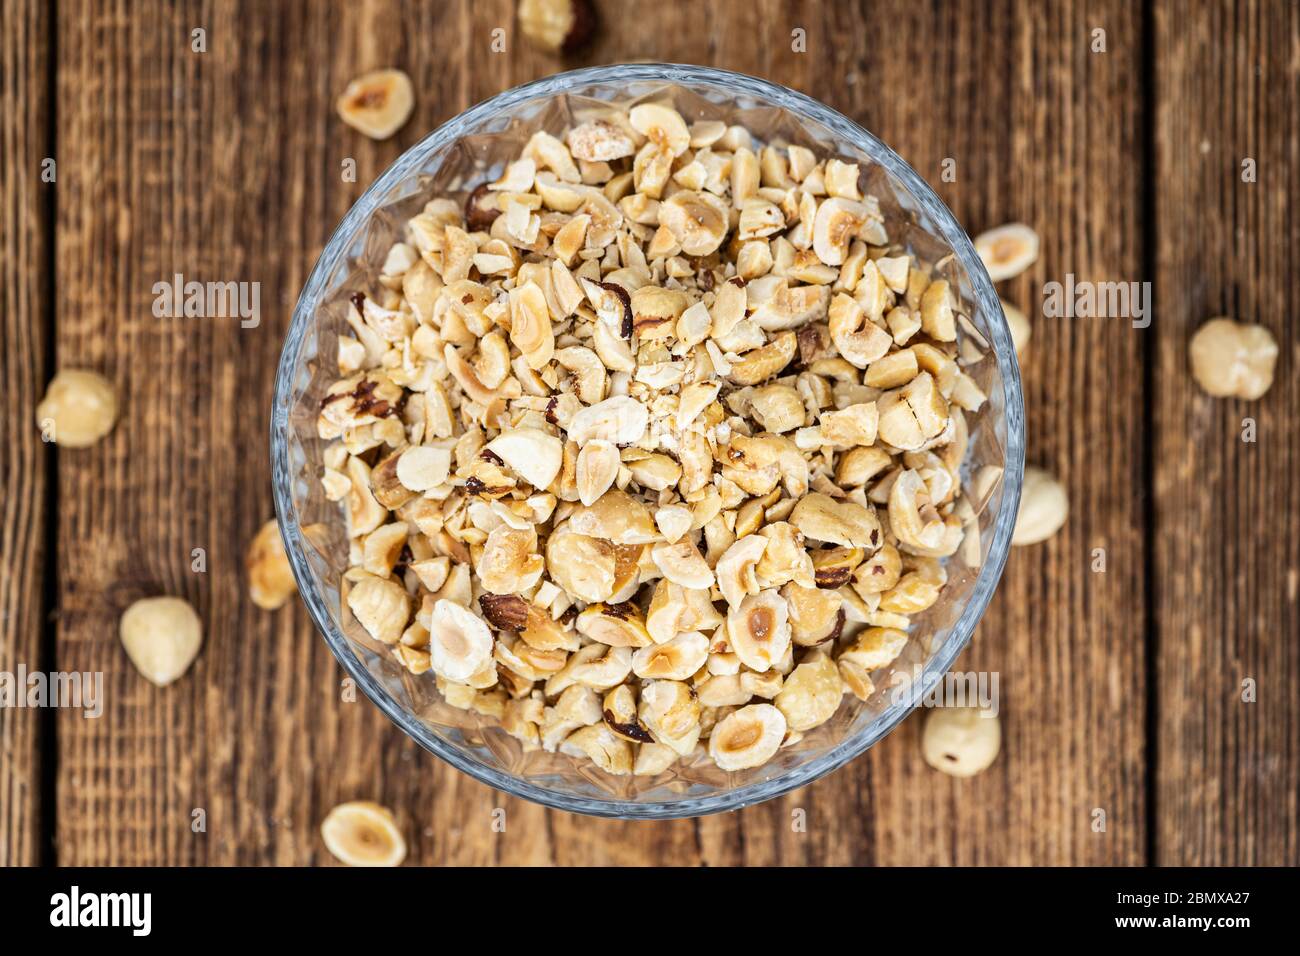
[(270, 578), (1007, 250), (378, 103), (362, 833), (557, 26), (1019, 325), (662, 459), (161, 635), (1233, 359), (1044, 506), (79, 408), (961, 741)]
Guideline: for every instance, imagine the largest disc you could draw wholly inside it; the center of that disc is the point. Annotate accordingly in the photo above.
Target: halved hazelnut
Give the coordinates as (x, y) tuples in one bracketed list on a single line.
[(1007, 250), (838, 221), (531, 453), (698, 220), (662, 125), (597, 467), (671, 712), (857, 680), (597, 666), (1044, 506), (811, 694), (600, 141), (381, 606), (822, 518), (621, 420), (683, 564), (421, 467), (510, 562), (653, 759), (878, 573), (875, 648), (833, 567), (816, 614), (606, 749), (785, 559), (937, 315), (459, 642), (759, 630), (362, 833), (618, 625), (747, 738), (735, 569), (655, 311), (377, 103), (677, 659), (859, 340), (584, 566), (620, 715), (616, 517), (382, 548), (674, 609), (530, 324)]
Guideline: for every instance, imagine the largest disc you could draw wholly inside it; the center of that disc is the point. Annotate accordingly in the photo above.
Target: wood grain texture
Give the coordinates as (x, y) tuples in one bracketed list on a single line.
[(1041, 131), (1228, 511), (24, 459), (223, 166)]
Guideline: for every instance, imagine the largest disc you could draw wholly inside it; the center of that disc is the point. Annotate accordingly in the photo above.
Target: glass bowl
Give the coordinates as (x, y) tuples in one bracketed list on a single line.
[(461, 154)]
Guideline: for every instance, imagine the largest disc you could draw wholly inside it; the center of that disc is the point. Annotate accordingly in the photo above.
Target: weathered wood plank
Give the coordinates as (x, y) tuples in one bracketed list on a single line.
[(1228, 510), (25, 126), (223, 165), (1044, 131)]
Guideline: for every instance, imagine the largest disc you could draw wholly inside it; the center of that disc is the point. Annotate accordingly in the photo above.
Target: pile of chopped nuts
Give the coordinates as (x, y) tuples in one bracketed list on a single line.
[(652, 446)]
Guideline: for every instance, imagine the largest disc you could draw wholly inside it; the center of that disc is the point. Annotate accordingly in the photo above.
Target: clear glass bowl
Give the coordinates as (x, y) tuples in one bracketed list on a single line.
[(462, 153)]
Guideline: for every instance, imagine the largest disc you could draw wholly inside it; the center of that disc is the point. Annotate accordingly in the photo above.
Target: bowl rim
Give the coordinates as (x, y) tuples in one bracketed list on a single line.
[(333, 255)]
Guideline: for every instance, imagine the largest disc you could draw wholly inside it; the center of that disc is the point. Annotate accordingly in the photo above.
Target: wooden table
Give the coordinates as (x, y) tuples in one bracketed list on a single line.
[(1121, 689)]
